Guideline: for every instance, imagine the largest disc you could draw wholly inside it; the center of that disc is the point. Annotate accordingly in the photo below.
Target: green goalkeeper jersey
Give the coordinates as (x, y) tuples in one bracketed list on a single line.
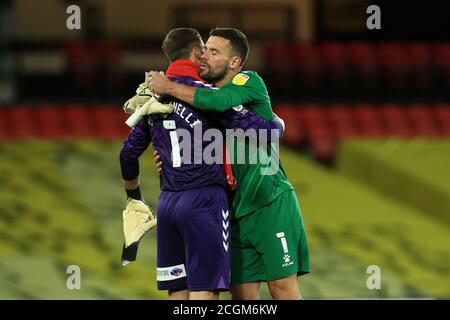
[(260, 178)]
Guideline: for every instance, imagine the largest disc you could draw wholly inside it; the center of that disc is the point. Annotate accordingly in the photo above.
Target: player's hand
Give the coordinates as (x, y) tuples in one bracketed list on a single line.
[(281, 122), (133, 103), (138, 218), (158, 162), (159, 83), (143, 94), (153, 106)]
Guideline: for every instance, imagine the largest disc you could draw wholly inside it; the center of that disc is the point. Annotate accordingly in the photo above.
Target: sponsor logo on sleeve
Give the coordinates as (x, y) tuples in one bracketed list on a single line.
[(240, 79)]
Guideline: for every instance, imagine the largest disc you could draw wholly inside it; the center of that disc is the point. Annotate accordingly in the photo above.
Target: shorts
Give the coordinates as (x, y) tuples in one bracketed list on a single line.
[(193, 240), (270, 243)]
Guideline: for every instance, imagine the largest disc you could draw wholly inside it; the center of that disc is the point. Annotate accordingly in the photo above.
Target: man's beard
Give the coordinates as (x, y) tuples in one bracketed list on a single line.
[(213, 77)]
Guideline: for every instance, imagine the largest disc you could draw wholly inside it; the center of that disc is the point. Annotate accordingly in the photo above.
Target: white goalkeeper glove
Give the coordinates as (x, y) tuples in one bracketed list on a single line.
[(138, 218), (152, 106), (143, 94)]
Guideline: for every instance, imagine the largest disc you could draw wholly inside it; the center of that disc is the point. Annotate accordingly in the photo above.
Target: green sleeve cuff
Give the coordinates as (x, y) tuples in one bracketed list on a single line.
[(197, 98)]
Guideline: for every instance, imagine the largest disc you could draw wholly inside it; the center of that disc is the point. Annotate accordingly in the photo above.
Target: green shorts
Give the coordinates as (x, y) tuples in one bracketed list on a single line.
[(270, 243)]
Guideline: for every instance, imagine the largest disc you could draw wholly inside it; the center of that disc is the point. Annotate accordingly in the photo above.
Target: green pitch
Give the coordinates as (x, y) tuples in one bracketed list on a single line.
[(415, 172), (61, 205)]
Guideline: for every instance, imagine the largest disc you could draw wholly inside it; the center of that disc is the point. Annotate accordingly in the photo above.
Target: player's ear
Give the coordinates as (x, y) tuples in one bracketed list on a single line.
[(235, 62), (197, 53)]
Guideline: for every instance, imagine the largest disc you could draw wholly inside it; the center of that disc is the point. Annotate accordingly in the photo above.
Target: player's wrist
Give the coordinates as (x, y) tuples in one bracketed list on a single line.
[(134, 193), (170, 89)]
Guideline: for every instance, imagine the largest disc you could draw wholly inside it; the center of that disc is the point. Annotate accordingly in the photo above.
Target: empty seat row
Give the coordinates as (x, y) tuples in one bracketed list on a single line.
[(321, 127), (358, 65), (77, 121)]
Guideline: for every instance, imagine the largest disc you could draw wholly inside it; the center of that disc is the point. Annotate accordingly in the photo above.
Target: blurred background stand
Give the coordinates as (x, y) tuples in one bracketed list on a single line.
[(8, 71)]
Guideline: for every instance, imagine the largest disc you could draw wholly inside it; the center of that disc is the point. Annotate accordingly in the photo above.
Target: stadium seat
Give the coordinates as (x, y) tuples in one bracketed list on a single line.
[(308, 66), (442, 117), (313, 119), (394, 65), (364, 65), (279, 65), (294, 133), (341, 120), (335, 63), (368, 120), (4, 133), (442, 64), (108, 121), (419, 59), (323, 144), (422, 120), (79, 121), (49, 122), (21, 122), (396, 121), (312, 113)]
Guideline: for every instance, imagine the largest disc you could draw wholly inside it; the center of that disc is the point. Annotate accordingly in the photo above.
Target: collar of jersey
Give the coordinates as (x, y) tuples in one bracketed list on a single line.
[(184, 68)]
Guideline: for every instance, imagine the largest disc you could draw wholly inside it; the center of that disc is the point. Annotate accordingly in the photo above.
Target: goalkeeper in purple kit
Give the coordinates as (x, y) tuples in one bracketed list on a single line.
[(193, 254)]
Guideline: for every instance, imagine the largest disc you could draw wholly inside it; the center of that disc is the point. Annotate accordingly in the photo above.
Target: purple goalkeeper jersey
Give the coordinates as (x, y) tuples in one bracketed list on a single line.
[(182, 170)]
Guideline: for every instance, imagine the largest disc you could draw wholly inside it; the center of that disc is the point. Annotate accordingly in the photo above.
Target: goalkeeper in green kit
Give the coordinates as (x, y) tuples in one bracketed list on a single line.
[(269, 241)]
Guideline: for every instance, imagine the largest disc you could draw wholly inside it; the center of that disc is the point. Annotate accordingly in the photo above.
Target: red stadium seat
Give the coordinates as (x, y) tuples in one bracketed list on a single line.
[(79, 121), (419, 58), (4, 130), (318, 133), (21, 124), (294, 133), (49, 121), (334, 58), (312, 113), (442, 62), (364, 64), (442, 117), (340, 113), (368, 120), (308, 65), (394, 64), (313, 119), (277, 52), (442, 54), (422, 120), (108, 121), (279, 63), (342, 122), (323, 145), (396, 120)]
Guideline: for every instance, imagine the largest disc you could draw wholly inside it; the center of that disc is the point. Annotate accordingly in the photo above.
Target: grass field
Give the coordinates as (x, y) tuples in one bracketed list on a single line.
[(413, 172), (61, 204)]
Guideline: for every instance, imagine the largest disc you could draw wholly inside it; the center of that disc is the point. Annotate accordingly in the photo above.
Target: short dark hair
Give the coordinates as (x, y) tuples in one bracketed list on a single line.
[(238, 41), (178, 43)]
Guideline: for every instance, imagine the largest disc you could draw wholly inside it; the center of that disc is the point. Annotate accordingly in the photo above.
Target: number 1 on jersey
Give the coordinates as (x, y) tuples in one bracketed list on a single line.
[(176, 158)]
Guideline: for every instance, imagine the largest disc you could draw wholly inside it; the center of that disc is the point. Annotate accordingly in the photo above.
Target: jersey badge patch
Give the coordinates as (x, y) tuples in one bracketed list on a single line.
[(240, 79)]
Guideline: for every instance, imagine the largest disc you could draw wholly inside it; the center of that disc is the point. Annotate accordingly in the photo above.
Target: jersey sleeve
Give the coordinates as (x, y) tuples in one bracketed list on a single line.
[(136, 143), (275, 127), (242, 118), (245, 87)]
